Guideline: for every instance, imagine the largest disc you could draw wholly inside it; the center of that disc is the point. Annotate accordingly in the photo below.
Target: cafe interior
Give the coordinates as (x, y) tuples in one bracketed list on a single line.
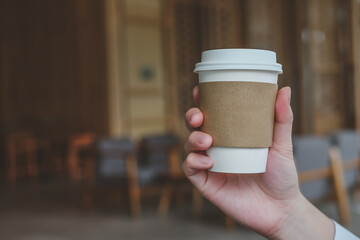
[(93, 96)]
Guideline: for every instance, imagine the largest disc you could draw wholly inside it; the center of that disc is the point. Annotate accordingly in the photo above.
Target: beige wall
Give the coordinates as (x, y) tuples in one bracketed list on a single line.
[(137, 103)]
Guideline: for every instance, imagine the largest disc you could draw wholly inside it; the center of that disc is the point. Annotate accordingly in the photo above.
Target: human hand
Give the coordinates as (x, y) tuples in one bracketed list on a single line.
[(268, 203)]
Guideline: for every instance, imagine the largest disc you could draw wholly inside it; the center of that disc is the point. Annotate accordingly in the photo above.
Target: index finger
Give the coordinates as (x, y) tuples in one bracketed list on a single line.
[(193, 118)]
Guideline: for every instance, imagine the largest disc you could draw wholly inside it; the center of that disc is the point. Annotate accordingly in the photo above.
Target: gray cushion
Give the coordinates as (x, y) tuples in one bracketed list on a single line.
[(312, 153), (348, 143), (111, 153), (155, 150), (111, 162), (154, 157)]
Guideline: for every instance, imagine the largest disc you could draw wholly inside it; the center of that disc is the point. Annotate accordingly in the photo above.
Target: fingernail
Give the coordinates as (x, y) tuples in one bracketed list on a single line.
[(202, 139), (194, 117), (204, 160)]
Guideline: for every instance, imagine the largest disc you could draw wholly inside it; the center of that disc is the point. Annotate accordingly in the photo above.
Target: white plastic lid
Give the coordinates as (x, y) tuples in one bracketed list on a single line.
[(233, 59)]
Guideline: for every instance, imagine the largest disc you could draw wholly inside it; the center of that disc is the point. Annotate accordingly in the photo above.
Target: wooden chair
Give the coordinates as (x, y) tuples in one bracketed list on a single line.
[(115, 164), (78, 149), (22, 155), (348, 143), (162, 154), (321, 172)]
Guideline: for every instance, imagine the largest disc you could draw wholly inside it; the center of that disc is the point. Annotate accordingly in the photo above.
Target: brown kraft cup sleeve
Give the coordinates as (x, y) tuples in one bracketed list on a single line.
[(238, 114)]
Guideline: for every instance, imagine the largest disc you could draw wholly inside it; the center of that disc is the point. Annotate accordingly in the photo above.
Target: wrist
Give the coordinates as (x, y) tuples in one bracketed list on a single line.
[(302, 220)]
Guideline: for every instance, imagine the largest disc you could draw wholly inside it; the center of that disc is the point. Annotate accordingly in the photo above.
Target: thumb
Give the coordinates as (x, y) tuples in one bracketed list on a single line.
[(283, 119)]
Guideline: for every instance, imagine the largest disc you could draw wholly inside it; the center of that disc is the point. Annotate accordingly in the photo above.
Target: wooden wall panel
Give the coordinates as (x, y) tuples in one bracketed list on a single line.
[(193, 27), (184, 36), (52, 75), (221, 24), (265, 29), (312, 40), (200, 25), (274, 25), (328, 77), (355, 54)]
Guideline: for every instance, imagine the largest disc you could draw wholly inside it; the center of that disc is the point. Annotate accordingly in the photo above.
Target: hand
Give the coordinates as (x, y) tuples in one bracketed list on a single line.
[(269, 203)]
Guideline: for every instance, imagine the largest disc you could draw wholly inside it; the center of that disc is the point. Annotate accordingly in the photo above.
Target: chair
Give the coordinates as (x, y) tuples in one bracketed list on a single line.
[(161, 153), (78, 153), (22, 155), (348, 143), (320, 172), (116, 163)]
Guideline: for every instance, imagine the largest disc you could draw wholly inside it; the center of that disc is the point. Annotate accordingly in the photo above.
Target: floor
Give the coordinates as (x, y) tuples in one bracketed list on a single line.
[(55, 212)]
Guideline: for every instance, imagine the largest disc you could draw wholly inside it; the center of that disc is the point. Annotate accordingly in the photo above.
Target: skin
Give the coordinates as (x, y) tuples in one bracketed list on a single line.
[(270, 203)]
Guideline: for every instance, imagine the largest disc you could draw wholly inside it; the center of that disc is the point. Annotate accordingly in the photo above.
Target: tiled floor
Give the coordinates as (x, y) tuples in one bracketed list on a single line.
[(54, 212)]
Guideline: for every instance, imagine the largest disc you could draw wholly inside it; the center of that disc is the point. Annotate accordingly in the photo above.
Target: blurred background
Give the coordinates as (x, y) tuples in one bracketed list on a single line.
[(93, 94)]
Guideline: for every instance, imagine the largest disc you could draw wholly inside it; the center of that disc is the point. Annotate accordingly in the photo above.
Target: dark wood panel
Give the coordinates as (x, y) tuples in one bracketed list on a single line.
[(263, 24), (52, 67)]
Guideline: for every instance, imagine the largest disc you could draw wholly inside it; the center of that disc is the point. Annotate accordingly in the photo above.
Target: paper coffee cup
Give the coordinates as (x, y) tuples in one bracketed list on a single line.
[(238, 90)]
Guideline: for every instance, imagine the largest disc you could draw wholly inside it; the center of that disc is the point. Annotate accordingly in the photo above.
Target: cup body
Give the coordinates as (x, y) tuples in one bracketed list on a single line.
[(238, 159)]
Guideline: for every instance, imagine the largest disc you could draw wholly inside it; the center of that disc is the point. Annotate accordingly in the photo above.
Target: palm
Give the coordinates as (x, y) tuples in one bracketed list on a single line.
[(254, 198)]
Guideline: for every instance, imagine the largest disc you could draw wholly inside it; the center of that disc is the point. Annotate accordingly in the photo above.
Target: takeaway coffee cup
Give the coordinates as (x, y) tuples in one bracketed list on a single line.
[(238, 89)]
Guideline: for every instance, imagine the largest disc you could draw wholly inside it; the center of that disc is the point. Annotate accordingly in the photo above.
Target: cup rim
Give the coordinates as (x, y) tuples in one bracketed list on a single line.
[(238, 59)]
